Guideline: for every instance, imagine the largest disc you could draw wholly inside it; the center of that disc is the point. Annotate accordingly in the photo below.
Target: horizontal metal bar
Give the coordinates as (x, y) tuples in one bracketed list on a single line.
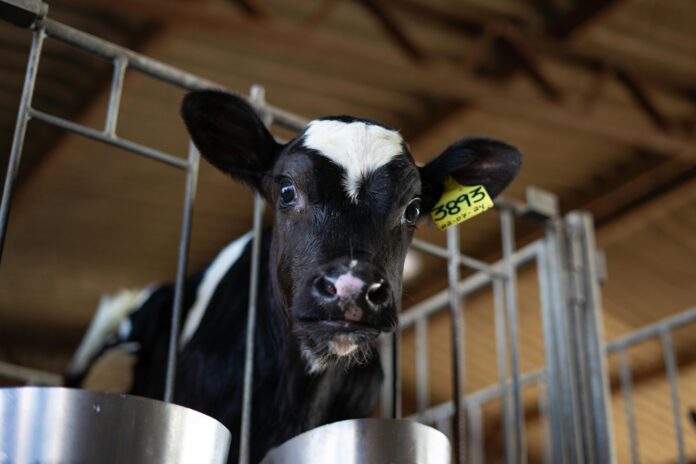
[(652, 330), (29, 375), (463, 259), (467, 286), (477, 398), (155, 68), (114, 141)]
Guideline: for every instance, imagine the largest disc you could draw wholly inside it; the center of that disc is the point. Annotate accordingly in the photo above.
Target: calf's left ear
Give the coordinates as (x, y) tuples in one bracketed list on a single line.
[(470, 161), (230, 135)]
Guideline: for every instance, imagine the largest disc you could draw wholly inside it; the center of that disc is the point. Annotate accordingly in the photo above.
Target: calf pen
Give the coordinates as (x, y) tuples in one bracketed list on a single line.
[(570, 389)]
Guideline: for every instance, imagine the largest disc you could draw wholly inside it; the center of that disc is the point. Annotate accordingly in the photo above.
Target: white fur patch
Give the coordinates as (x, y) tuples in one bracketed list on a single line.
[(359, 148), (342, 345), (112, 312), (213, 275)]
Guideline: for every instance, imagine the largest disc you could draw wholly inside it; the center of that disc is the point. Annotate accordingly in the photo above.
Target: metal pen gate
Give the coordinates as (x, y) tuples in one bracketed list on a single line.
[(574, 403)]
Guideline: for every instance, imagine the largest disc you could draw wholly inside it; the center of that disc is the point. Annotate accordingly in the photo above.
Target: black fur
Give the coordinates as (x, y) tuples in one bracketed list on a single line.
[(301, 380)]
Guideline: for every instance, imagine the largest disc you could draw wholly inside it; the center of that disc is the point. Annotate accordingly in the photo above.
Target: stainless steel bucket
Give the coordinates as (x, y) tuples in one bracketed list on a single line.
[(61, 425), (365, 441)]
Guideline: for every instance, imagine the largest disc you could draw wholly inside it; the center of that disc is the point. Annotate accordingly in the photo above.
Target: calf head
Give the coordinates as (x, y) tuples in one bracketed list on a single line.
[(346, 195)]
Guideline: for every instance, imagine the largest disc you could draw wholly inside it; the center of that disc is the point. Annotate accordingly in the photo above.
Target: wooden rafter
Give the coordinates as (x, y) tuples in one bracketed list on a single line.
[(394, 30), (442, 81), (643, 100), (582, 15), (253, 8)]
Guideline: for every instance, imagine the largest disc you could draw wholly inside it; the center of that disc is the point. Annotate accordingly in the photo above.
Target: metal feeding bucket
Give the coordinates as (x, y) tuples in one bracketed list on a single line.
[(365, 441), (61, 425)]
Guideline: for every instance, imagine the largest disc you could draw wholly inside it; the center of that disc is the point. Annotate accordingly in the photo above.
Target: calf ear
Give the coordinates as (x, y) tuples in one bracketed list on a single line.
[(470, 161), (230, 135)]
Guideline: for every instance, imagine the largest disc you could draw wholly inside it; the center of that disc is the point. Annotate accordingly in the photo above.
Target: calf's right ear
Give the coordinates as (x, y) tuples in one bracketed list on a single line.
[(230, 135)]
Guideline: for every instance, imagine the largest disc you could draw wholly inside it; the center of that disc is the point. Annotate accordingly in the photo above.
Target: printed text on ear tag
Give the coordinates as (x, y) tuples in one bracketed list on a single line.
[(459, 203)]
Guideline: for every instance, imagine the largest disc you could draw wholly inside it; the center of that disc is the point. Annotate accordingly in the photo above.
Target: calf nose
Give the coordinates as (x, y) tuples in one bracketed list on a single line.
[(352, 290), (377, 294), (346, 285)]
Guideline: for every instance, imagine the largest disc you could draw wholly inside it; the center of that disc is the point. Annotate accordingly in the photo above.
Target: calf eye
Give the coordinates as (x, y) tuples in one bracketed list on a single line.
[(412, 212), (287, 193)]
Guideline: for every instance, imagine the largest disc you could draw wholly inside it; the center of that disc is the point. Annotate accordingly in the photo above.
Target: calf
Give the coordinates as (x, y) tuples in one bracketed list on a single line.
[(346, 196)]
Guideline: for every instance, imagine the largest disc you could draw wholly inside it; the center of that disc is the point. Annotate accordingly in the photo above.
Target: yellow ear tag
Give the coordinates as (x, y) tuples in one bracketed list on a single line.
[(459, 203)]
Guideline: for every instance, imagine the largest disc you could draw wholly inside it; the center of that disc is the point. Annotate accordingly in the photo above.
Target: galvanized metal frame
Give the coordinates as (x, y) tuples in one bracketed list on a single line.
[(573, 402), (124, 60)]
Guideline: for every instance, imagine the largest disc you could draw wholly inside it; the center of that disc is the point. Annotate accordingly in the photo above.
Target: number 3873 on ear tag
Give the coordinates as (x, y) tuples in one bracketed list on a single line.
[(459, 203)]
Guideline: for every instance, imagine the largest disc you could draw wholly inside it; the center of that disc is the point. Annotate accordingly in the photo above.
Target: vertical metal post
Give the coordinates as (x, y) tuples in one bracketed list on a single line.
[(627, 393), (422, 364), (245, 429), (586, 307), (553, 384), (396, 374), (386, 400), (476, 435), (566, 441), (120, 65), (457, 327), (546, 435), (671, 366), (258, 98), (508, 232), (184, 240), (502, 354), (20, 131)]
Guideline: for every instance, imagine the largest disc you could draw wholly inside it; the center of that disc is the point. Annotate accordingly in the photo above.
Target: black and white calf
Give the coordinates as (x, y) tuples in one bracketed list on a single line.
[(346, 195)]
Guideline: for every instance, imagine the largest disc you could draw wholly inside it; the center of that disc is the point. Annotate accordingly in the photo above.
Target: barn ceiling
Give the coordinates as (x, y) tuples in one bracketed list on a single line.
[(600, 95)]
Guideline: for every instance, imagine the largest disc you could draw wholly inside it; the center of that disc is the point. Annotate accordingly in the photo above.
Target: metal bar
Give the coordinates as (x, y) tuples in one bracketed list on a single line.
[(567, 392), (422, 364), (20, 132), (627, 393), (546, 436), (458, 348), (508, 232), (155, 68), (245, 430), (593, 368), (467, 286), (652, 330), (184, 241), (120, 65), (481, 396), (114, 141), (396, 375), (28, 375), (386, 400), (553, 383), (463, 259), (476, 435), (671, 366), (502, 355)]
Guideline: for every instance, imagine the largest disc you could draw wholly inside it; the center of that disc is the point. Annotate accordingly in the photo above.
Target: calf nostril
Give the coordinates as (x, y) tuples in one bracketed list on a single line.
[(325, 287), (377, 294)]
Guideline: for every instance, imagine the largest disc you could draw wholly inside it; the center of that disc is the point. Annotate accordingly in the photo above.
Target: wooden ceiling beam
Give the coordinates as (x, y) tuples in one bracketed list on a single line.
[(436, 80), (470, 23), (253, 9), (394, 30), (643, 100), (584, 14)]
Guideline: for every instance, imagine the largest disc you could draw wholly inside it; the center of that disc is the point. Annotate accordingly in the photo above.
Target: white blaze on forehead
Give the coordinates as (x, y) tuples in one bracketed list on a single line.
[(358, 147)]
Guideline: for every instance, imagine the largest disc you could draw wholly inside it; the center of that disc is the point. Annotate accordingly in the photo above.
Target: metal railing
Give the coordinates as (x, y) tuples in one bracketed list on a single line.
[(661, 330), (573, 381), (30, 13)]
